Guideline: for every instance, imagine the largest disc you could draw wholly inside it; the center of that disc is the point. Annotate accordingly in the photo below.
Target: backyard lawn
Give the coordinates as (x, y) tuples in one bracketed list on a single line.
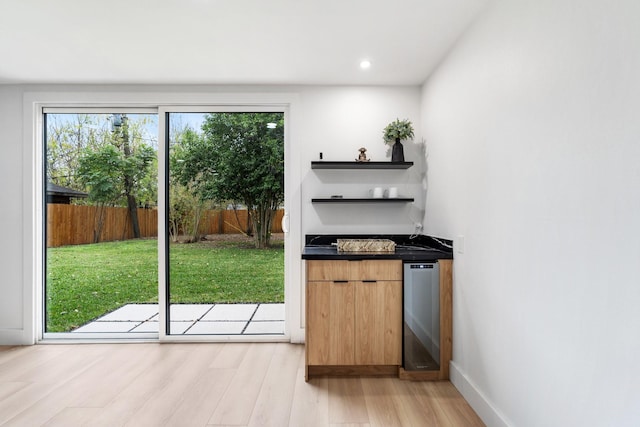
[(85, 282)]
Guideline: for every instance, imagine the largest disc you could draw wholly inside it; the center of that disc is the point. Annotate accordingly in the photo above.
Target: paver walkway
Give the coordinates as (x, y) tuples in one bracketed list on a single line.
[(193, 319)]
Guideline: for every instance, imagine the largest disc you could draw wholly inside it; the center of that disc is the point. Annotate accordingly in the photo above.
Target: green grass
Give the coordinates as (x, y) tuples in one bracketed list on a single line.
[(85, 282), (201, 274)]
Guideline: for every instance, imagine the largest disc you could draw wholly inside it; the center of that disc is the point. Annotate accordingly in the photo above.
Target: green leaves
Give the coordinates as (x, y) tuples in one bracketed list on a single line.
[(99, 170), (73, 139), (397, 129), (238, 159), (102, 170)]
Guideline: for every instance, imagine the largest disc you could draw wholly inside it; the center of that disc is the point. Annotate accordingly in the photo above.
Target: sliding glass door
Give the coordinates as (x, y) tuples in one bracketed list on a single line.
[(100, 211), (224, 190), (181, 239)]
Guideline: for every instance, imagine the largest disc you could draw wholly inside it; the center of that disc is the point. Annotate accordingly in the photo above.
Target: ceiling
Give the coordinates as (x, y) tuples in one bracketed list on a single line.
[(228, 41)]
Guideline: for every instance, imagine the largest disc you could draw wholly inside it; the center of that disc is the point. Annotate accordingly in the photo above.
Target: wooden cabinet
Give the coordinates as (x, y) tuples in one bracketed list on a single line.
[(331, 323), (354, 316), (378, 316)]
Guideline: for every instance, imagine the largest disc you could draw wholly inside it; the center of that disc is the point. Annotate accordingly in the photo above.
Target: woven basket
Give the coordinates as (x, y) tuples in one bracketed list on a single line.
[(366, 245)]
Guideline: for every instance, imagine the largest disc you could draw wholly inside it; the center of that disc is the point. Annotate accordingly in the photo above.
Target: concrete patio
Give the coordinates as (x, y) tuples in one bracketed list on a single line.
[(193, 319)]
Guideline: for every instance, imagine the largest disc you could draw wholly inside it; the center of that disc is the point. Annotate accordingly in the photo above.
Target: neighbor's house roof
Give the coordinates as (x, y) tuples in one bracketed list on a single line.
[(58, 194)]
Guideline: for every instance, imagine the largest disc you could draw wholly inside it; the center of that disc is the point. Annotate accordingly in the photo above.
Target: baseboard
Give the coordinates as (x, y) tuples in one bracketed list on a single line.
[(485, 410), (14, 337), (296, 336)]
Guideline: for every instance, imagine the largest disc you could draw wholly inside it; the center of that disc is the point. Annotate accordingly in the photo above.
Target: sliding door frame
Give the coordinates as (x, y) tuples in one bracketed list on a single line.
[(30, 330), (163, 231), (41, 294)]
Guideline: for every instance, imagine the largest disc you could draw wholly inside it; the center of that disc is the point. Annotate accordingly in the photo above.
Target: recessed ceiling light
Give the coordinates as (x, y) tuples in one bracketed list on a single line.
[(366, 64), (271, 125)]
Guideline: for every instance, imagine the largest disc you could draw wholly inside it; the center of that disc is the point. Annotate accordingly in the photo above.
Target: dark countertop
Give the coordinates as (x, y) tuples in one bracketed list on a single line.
[(419, 248)]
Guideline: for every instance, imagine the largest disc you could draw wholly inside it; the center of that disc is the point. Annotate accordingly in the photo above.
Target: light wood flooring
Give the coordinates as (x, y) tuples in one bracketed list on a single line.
[(259, 384)]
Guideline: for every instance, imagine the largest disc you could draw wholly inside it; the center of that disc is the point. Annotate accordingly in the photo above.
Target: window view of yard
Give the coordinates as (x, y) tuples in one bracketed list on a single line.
[(236, 162), (226, 191), (87, 281)]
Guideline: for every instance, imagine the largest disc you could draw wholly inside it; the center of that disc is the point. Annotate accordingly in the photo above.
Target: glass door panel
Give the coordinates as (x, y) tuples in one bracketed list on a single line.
[(101, 268), (225, 198)]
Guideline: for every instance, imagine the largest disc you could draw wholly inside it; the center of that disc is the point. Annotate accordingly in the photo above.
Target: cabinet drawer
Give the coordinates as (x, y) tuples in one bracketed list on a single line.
[(328, 270), (384, 269)]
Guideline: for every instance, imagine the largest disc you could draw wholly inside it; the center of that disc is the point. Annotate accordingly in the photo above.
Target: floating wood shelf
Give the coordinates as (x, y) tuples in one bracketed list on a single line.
[(364, 200), (360, 165)]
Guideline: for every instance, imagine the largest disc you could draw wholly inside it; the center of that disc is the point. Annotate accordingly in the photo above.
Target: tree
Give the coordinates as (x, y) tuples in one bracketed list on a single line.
[(98, 170), (103, 172), (186, 207), (186, 211), (130, 168), (238, 158), (67, 137)]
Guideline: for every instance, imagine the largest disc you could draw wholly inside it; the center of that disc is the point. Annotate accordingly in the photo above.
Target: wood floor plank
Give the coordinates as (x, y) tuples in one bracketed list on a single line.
[(111, 361), (26, 397), (346, 401), (130, 399), (122, 366), (72, 417), (238, 402), (230, 356), (8, 352), (201, 400), (350, 425), (159, 409), (179, 385), (449, 403), (381, 408), (438, 417), (310, 406), (9, 388), (68, 361), (412, 408), (273, 405), (44, 380), (20, 360)]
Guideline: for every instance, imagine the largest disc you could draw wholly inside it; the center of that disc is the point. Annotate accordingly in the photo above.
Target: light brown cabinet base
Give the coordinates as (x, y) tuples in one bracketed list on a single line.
[(352, 371), (332, 324)]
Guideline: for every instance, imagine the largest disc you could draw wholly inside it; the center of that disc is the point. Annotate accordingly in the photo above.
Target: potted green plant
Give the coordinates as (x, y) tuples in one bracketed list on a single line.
[(395, 132)]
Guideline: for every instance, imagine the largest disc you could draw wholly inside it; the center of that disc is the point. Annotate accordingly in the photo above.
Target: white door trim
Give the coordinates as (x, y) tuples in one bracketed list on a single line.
[(32, 205), (291, 317)]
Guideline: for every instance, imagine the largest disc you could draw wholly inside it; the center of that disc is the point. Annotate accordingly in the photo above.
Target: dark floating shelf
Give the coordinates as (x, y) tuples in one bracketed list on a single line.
[(360, 165), (364, 200)]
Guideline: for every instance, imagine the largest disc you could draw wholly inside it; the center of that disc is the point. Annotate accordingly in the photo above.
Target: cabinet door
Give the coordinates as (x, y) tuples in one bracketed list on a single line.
[(379, 322), (330, 311)]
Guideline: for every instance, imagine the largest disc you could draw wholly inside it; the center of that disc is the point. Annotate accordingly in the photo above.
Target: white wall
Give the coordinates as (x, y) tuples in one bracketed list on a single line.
[(334, 120), (11, 218), (337, 122), (533, 143)]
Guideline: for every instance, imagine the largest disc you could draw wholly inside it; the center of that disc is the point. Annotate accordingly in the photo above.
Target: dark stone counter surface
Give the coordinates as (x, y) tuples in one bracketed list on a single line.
[(418, 248)]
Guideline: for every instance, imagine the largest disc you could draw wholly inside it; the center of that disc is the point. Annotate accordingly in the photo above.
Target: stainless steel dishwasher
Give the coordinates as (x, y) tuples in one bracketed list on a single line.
[(421, 315)]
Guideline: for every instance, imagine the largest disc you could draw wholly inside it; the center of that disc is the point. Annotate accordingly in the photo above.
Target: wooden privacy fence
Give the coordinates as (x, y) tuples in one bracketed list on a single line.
[(225, 222), (74, 225)]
